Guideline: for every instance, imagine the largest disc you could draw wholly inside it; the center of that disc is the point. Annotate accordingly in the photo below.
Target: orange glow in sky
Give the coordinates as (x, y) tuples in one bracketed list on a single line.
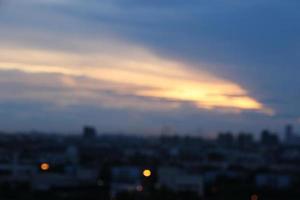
[(144, 75)]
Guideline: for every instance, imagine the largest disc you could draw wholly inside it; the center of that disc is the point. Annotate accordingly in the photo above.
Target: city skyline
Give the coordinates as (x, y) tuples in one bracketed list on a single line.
[(137, 66)]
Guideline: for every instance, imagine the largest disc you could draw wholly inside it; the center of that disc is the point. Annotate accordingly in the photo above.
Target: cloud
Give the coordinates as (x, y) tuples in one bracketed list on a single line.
[(239, 55), (143, 74)]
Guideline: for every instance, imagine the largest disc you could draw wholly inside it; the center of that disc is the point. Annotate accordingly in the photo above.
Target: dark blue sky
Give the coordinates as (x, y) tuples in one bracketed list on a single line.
[(128, 64)]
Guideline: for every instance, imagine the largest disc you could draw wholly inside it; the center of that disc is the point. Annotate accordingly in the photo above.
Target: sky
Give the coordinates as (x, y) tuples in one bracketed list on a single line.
[(136, 66)]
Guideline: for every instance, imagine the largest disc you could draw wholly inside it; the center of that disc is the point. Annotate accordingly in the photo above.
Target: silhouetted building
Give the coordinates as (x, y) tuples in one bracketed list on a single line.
[(269, 139), (226, 139), (289, 132), (291, 138), (89, 132), (245, 140), (177, 179)]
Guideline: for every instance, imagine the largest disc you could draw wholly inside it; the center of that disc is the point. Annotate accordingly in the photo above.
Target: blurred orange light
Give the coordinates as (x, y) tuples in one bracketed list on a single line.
[(254, 197), (45, 166)]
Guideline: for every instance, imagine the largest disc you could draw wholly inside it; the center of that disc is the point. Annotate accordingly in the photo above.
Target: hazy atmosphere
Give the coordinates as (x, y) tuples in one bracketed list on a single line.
[(136, 66)]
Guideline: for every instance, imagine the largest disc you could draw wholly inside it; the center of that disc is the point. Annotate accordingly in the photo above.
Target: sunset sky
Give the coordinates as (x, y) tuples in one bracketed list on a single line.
[(136, 66)]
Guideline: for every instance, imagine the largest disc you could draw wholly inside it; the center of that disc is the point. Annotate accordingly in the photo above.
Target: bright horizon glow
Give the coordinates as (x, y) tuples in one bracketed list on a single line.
[(144, 74)]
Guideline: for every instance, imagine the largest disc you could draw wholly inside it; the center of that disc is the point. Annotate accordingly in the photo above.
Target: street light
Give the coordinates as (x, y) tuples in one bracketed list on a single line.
[(147, 173), (45, 166)]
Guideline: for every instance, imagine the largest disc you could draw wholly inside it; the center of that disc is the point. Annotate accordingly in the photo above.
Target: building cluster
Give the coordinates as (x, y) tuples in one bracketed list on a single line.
[(110, 165)]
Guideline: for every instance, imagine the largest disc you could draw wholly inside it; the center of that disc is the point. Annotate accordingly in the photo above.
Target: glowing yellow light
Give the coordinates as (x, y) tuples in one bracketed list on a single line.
[(45, 166), (147, 173)]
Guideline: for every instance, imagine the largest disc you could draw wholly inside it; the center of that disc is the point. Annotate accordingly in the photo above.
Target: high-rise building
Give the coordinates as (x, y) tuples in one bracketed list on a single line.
[(89, 132), (289, 133), (291, 138), (226, 139), (245, 140), (269, 139)]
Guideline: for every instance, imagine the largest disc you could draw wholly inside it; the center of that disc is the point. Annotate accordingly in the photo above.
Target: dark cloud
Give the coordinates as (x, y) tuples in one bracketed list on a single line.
[(256, 44)]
